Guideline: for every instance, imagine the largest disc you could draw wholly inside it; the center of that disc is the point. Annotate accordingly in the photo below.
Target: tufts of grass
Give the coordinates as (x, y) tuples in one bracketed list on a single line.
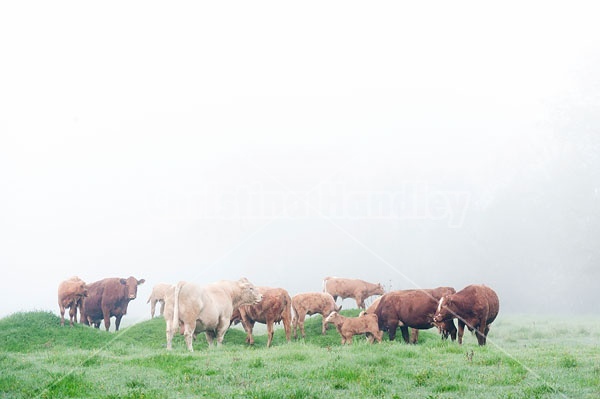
[(567, 362)]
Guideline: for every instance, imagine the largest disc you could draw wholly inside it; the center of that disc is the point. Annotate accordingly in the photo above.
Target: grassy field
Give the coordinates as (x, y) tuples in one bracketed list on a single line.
[(544, 357)]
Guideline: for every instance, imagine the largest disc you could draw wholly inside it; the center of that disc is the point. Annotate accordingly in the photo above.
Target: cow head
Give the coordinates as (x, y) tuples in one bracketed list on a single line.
[(379, 290), (249, 293), (443, 311), (333, 316), (132, 283)]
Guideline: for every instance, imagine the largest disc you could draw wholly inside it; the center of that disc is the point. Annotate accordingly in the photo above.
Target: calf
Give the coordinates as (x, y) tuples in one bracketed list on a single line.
[(70, 295), (350, 326), (475, 306), (158, 296), (310, 303)]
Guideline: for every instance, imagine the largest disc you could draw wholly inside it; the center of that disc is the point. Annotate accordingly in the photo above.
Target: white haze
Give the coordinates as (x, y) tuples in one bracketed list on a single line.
[(437, 144)]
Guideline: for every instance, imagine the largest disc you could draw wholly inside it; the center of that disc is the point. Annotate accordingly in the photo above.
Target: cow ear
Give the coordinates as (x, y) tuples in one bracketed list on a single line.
[(141, 281), (123, 281)]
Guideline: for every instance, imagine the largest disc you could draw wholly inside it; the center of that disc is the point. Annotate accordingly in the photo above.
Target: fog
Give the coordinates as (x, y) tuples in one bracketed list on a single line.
[(409, 145)]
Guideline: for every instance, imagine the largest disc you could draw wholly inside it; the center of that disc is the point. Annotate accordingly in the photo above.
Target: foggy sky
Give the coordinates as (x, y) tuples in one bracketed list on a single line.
[(409, 145)]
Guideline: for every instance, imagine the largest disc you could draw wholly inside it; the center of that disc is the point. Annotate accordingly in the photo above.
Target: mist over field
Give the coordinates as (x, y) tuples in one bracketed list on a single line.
[(412, 147)]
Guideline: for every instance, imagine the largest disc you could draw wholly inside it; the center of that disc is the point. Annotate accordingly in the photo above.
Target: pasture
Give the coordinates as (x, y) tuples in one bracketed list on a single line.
[(541, 357)]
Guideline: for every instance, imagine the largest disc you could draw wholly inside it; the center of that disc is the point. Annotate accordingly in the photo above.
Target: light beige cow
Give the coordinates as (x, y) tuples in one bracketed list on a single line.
[(206, 308), (70, 295), (158, 296), (310, 303), (351, 288)]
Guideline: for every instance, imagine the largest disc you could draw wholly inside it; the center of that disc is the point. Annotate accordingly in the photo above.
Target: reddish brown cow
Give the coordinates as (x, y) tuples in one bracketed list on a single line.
[(410, 308), (351, 288), (275, 307), (475, 306), (310, 303), (351, 326), (70, 295), (109, 297)]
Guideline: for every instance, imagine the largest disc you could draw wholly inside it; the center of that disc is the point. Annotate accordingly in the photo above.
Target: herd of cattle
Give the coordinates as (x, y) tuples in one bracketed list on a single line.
[(191, 308)]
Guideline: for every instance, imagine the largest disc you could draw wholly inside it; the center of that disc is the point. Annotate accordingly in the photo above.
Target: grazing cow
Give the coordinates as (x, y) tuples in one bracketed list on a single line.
[(109, 297), (308, 304), (206, 308), (158, 296), (475, 306), (351, 288), (410, 308), (70, 295), (275, 307), (350, 326)]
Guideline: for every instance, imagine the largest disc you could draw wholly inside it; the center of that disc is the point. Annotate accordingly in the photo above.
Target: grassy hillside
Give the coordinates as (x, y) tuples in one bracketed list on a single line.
[(542, 358)]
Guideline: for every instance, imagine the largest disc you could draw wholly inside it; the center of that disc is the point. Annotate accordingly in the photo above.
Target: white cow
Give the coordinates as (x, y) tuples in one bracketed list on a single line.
[(158, 296), (206, 308)]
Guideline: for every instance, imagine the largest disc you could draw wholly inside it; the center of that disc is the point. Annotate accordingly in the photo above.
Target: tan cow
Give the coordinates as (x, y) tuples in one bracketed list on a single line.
[(70, 295), (206, 308), (275, 307), (351, 288), (158, 296), (350, 326), (310, 303)]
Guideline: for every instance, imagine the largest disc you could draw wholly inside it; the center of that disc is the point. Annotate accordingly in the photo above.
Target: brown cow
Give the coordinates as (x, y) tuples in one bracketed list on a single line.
[(206, 308), (308, 304), (351, 288), (158, 296), (350, 326), (275, 307), (109, 297), (475, 306), (70, 295), (410, 308)]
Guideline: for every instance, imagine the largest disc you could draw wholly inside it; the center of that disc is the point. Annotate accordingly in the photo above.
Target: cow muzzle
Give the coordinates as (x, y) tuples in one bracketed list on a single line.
[(132, 296)]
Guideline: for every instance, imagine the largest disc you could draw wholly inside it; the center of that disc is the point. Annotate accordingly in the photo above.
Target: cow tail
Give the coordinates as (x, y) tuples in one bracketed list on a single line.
[(176, 305)]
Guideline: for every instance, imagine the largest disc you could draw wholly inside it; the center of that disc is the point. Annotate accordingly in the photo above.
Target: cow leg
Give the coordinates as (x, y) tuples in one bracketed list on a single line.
[(269, 333), (170, 333), (118, 322), (481, 332), (188, 335), (360, 303), (249, 328), (324, 326), (72, 315), (162, 307), (295, 325), (152, 308), (287, 327), (449, 329), (461, 330), (62, 314), (392, 327), (404, 330), (210, 337), (106, 320), (414, 336), (221, 330), (379, 335)]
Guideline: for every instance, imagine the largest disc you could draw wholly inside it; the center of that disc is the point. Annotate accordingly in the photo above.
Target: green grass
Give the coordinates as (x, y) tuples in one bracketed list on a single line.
[(545, 357)]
